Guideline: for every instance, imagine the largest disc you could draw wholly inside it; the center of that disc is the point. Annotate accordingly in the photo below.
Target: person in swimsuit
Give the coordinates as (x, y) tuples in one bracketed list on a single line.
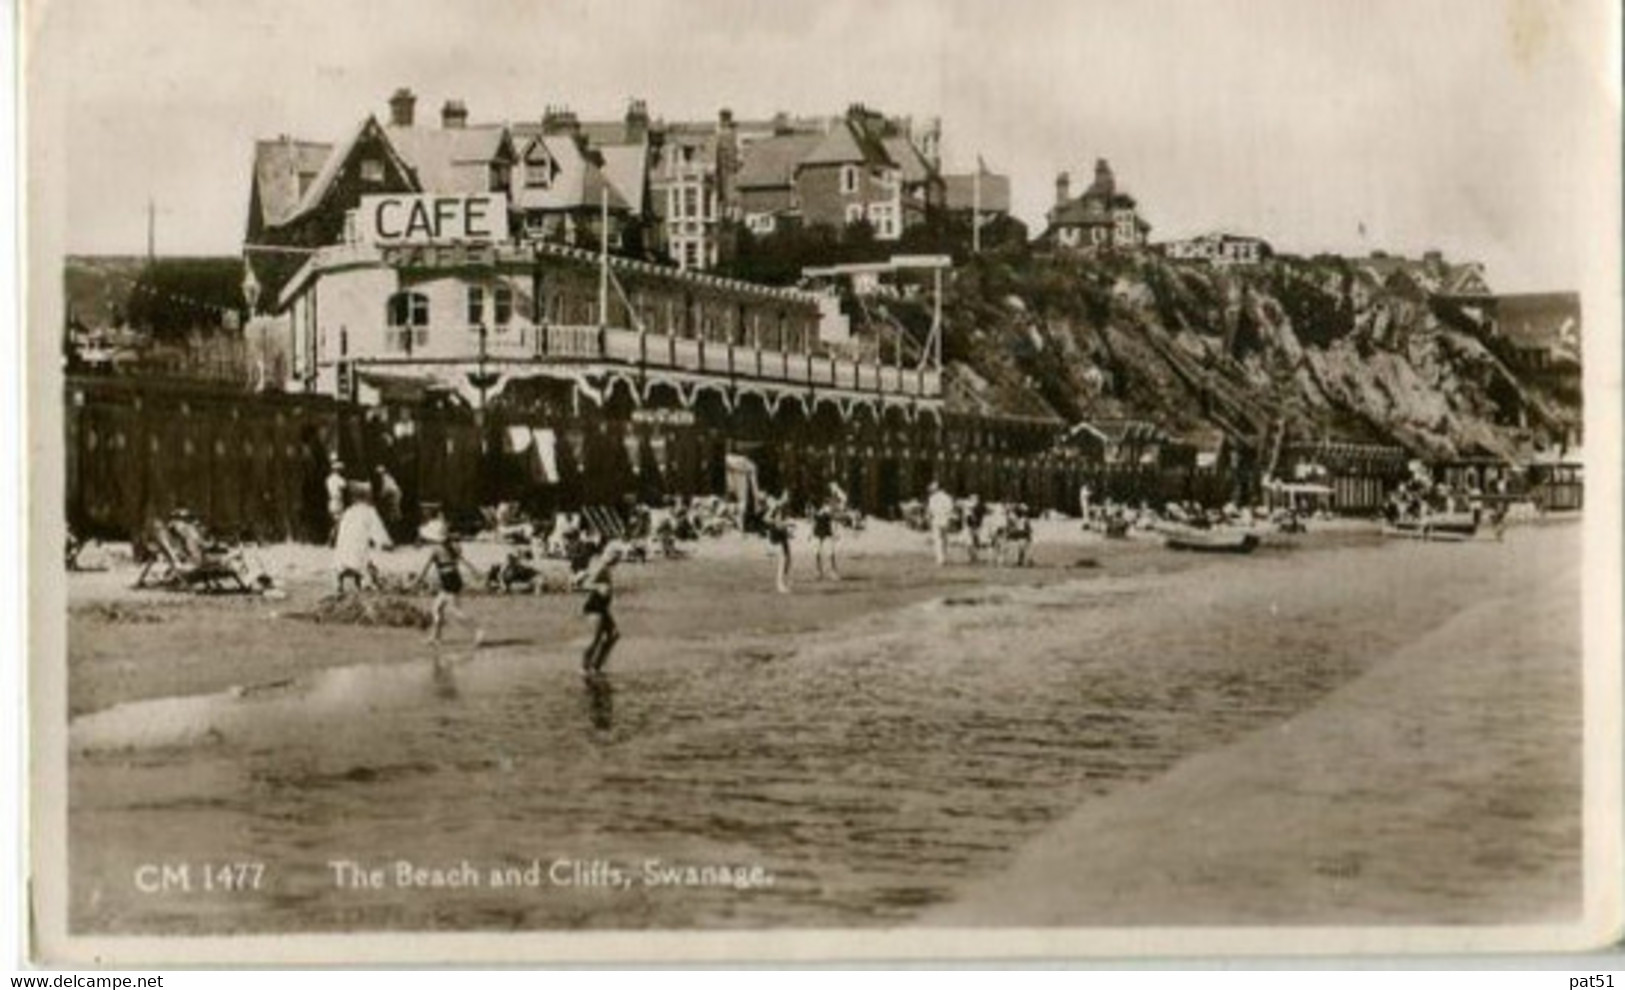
[(447, 561), (824, 531), (777, 524), (597, 581)]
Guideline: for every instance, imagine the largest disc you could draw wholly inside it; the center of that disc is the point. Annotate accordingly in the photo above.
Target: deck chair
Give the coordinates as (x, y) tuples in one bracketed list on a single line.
[(186, 562), (613, 524)]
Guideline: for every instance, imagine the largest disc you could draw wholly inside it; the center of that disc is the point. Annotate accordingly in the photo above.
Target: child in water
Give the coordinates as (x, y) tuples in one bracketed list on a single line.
[(597, 581), (447, 561)]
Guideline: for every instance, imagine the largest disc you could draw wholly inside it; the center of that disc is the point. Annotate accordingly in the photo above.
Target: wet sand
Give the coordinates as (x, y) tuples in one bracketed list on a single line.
[(1442, 787), (907, 746), (126, 644)]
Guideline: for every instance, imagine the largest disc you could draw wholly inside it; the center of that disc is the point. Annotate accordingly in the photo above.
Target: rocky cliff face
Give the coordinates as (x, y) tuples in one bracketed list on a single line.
[(1377, 351)]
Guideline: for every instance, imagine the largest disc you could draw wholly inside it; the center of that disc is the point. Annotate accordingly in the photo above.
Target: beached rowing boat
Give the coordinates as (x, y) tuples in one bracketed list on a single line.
[(1210, 540), (1451, 527)]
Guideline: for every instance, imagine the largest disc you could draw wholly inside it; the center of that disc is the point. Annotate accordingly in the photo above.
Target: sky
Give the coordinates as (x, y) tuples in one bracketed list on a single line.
[(1470, 126)]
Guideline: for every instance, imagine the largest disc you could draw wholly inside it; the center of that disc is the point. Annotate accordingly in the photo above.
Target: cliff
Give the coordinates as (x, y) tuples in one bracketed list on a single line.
[(1374, 350)]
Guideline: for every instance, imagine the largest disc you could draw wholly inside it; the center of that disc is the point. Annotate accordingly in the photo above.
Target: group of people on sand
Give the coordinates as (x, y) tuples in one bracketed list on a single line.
[(998, 532), (360, 529), (777, 527)]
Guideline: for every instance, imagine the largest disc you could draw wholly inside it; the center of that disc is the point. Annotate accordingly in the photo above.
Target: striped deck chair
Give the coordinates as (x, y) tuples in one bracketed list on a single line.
[(180, 568)]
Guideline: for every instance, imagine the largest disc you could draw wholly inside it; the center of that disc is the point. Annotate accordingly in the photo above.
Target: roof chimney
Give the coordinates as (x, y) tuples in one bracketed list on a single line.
[(725, 118), (401, 106), (1063, 189), (453, 115), (637, 120), (1105, 182), (560, 120)]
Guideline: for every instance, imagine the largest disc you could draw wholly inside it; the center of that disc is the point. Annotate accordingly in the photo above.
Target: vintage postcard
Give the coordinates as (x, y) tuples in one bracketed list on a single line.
[(528, 482)]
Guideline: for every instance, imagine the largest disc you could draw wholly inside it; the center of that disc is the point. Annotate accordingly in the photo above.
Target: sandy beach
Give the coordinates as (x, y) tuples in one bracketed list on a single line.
[(1442, 787), (1336, 729)]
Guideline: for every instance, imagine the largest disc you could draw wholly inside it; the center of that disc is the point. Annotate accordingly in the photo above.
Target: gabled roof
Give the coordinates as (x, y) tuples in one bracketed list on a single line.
[(1087, 210), (452, 159), (961, 192), (277, 167), (847, 143), (770, 163), (369, 128), (908, 158), (577, 181), (626, 167)]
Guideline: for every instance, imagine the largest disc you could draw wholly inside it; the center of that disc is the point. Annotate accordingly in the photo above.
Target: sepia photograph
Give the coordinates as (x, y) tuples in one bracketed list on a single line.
[(649, 481)]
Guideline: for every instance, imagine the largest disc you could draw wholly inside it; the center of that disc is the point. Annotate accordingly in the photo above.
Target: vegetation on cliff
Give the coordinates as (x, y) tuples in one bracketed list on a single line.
[(1326, 347)]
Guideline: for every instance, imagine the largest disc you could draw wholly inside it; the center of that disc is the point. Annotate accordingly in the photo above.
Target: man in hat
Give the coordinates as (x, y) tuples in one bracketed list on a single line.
[(939, 511)]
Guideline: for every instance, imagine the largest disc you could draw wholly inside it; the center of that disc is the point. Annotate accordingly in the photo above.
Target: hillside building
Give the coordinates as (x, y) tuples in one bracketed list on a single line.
[(1103, 218)]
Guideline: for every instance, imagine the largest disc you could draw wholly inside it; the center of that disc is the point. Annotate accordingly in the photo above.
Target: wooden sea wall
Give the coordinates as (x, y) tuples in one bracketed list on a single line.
[(253, 465)]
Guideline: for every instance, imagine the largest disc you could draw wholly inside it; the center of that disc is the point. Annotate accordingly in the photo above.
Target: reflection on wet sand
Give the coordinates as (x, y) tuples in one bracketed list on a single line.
[(874, 766)]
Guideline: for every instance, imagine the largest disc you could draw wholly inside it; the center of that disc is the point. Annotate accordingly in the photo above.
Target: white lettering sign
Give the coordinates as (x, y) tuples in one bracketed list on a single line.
[(430, 219)]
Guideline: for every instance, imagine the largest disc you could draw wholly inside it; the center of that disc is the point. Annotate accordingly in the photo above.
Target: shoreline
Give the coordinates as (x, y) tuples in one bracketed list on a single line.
[(887, 567), (1441, 786), (894, 747)]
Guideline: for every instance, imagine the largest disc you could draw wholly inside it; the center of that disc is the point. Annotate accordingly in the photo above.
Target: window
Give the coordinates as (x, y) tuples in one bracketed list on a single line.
[(691, 201), (691, 254), (372, 170), (502, 303), (884, 217), (854, 212), (407, 314), (476, 305), (538, 170), (501, 177), (849, 179)]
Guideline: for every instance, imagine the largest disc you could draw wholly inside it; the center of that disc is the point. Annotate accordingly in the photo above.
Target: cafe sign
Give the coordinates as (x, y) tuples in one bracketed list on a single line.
[(425, 218)]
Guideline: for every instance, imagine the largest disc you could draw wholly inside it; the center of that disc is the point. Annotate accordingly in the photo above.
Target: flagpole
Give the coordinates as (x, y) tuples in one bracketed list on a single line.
[(603, 257), (976, 208)]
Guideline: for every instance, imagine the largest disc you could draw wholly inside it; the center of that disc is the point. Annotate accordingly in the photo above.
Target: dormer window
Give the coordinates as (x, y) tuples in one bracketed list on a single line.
[(849, 179), (538, 169), (372, 170)]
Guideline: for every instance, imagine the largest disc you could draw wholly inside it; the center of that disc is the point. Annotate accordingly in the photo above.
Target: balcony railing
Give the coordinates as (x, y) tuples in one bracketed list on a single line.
[(708, 357)]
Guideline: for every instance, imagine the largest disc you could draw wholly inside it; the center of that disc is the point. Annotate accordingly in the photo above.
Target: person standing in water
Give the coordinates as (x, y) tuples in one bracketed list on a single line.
[(598, 581), (447, 561)]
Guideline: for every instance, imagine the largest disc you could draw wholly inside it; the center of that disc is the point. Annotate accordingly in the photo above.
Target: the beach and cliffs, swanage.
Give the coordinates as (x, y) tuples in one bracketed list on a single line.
[(1333, 730)]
